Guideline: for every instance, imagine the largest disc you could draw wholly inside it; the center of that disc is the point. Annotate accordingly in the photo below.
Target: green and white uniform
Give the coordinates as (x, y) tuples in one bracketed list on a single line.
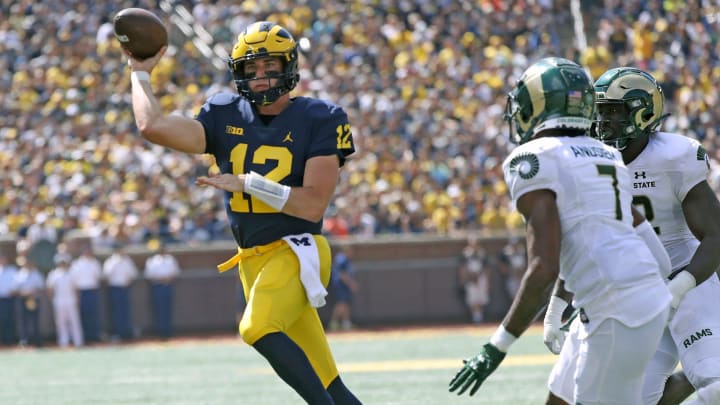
[(609, 268)]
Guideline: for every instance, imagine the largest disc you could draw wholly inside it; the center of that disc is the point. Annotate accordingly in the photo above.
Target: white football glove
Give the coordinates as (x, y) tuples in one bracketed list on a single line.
[(552, 335)]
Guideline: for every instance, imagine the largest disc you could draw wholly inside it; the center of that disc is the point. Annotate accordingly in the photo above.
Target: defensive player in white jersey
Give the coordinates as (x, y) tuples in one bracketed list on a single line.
[(669, 173), (574, 193)]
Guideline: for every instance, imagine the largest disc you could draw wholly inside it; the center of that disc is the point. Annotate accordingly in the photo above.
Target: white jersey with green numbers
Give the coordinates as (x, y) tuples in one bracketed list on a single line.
[(668, 167), (607, 266)]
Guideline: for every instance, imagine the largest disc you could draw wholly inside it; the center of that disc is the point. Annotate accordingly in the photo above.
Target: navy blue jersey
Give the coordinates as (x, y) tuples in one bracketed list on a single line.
[(241, 143)]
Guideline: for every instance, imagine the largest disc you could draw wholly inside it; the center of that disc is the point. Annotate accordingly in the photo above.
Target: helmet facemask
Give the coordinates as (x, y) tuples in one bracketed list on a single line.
[(262, 40), (512, 109), (612, 125)]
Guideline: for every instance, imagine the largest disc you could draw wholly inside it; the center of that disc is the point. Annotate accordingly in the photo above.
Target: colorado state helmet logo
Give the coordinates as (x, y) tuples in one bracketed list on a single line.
[(526, 165)]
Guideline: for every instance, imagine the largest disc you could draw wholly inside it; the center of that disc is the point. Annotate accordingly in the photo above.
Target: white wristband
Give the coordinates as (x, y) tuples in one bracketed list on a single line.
[(679, 286), (556, 307), (647, 233), (502, 339), (140, 75), (271, 193)]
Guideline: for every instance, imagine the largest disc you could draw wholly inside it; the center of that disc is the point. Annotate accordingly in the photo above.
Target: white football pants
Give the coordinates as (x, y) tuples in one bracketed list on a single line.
[(608, 366)]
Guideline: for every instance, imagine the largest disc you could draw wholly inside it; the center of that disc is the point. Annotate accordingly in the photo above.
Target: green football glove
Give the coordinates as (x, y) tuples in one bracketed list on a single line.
[(477, 369)]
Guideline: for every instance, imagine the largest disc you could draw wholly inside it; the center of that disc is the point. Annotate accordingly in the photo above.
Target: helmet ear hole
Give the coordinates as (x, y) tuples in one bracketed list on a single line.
[(647, 114), (525, 113)]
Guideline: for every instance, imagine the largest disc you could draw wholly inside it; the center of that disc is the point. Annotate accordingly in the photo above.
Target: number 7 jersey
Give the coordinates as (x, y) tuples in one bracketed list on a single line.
[(663, 173), (603, 261)]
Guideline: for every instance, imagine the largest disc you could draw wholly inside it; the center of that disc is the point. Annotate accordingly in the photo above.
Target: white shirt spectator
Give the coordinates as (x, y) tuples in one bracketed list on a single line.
[(29, 281), (64, 295), (86, 272), (161, 267), (63, 288), (8, 272), (119, 270), (41, 229), (104, 33)]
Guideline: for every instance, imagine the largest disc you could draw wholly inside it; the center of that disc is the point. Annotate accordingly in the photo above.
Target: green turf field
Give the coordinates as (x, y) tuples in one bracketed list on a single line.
[(390, 367)]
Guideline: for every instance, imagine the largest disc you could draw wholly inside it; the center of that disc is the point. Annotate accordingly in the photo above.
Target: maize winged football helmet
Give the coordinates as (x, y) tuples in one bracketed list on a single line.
[(630, 93), (551, 93), (259, 40)]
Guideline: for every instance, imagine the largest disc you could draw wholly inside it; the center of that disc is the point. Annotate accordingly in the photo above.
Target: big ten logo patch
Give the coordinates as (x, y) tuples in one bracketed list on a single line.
[(231, 130)]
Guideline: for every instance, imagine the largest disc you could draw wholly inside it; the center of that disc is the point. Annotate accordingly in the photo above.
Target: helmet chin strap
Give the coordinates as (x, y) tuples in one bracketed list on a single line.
[(563, 122), (615, 143), (265, 97)]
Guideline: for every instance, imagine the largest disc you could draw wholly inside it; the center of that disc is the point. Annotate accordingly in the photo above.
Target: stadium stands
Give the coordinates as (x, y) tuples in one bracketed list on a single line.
[(424, 83)]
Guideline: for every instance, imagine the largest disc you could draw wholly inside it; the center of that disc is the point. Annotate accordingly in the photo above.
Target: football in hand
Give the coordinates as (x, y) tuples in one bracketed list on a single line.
[(140, 32)]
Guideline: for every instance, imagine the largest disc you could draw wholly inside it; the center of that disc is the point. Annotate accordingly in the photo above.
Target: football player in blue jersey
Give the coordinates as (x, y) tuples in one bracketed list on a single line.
[(279, 158)]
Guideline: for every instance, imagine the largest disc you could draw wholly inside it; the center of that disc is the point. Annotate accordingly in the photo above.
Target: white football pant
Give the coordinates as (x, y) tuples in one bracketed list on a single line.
[(608, 366)]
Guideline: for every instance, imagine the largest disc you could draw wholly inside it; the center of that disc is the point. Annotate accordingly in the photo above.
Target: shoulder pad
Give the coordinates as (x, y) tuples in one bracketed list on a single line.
[(676, 147), (317, 107), (222, 98)]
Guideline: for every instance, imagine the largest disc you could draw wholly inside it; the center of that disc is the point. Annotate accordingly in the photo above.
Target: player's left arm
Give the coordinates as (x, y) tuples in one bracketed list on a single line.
[(310, 201), (332, 144), (702, 214), (701, 211)]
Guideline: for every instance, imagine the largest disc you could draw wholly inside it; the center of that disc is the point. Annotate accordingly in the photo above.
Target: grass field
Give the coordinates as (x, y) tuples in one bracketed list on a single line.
[(410, 366)]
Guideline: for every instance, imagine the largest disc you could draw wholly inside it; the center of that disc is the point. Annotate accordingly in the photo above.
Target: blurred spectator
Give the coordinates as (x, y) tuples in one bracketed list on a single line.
[(335, 225), (64, 296), (513, 255), (474, 278), (424, 82), (8, 274), (41, 229), (120, 271), (29, 284), (86, 272), (343, 286), (161, 270)]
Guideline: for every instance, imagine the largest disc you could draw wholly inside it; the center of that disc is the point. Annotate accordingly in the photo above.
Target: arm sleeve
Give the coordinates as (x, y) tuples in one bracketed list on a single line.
[(646, 232)]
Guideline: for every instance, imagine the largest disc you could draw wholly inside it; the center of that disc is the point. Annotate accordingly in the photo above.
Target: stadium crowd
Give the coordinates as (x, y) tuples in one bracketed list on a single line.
[(424, 84)]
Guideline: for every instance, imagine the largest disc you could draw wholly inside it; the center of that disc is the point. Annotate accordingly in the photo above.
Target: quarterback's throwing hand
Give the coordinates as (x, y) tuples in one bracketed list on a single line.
[(477, 369)]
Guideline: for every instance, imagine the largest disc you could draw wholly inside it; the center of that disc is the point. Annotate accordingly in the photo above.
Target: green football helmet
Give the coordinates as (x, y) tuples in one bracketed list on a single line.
[(551, 93), (629, 104)]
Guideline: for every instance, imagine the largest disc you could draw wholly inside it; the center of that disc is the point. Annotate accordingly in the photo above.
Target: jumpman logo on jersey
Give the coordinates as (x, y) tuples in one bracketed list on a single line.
[(288, 137)]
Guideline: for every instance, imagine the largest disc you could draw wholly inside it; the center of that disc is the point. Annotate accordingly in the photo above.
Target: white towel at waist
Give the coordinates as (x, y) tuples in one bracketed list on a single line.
[(307, 253)]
